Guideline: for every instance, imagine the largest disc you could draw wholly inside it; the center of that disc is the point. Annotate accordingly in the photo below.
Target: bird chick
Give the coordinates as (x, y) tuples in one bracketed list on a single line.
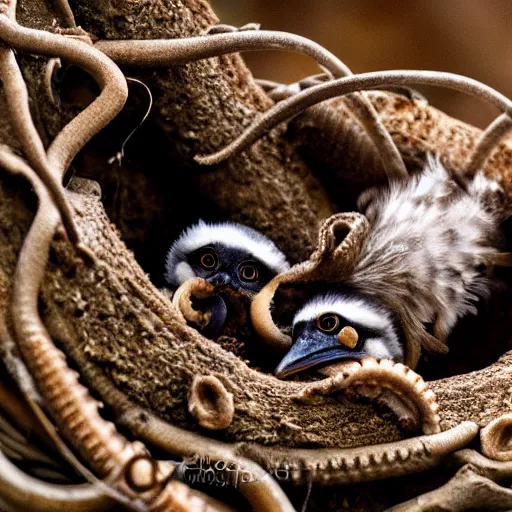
[(426, 254), (337, 326), (226, 255)]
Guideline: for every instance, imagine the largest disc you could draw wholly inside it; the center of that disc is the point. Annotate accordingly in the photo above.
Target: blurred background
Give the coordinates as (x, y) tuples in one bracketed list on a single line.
[(470, 37)]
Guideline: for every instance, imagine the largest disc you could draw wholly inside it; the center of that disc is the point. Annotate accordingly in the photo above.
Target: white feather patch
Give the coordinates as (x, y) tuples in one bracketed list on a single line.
[(184, 271), (228, 234), (356, 311), (380, 349)]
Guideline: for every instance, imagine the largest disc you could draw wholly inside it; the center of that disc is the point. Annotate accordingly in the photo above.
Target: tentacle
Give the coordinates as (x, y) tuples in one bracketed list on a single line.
[(182, 300), (384, 374), (489, 139), (51, 66), (293, 106), (172, 52), (28, 493), (340, 241), (73, 409), (367, 463), (108, 76), (406, 412), (210, 403), (17, 102), (262, 491), (261, 317), (278, 91), (496, 438)]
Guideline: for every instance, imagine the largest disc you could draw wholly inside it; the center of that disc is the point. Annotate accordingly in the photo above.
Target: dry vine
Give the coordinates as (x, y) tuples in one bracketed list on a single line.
[(153, 406)]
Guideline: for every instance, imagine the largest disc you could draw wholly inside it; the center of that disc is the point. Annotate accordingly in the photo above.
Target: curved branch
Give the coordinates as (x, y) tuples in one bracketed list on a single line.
[(488, 142), (179, 51), (26, 492), (287, 109)]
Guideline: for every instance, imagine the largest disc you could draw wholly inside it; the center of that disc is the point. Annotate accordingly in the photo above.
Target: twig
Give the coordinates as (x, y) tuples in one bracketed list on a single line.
[(293, 106), (488, 142), (27, 493), (179, 51)]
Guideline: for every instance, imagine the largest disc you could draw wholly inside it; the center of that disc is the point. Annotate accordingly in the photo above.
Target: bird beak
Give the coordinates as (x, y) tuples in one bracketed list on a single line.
[(220, 279), (312, 350), (216, 306)]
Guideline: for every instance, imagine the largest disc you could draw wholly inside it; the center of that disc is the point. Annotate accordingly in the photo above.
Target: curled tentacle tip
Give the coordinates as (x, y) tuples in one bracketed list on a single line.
[(212, 159), (86, 253)]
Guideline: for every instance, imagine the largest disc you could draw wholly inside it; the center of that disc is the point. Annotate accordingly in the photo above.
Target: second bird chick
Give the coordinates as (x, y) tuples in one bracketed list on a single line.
[(224, 254), (338, 326), (227, 255), (428, 252)]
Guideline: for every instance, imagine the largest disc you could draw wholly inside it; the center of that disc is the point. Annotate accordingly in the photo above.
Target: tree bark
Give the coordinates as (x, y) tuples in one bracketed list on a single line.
[(112, 312)]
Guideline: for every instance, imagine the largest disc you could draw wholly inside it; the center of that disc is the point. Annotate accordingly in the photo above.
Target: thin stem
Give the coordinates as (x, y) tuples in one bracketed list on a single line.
[(179, 51), (28, 493), (295, 105), (489, 139)]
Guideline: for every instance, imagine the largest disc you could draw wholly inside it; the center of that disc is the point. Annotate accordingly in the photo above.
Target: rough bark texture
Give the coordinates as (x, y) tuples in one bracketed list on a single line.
[(333, 142), (112, 311), (202, 106)]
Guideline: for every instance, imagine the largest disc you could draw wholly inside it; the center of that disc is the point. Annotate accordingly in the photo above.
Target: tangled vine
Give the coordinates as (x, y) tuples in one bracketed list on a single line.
[(252, 409)]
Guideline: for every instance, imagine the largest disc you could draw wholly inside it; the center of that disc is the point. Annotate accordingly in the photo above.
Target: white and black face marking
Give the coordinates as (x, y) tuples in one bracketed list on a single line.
[(231, 267), (335, 327), (224, 254)]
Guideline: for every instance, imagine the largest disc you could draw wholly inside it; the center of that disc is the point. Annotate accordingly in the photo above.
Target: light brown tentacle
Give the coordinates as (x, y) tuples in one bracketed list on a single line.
[(172, 52), (340, 242), (73, 409), (351, 465), (18, 109), (488, 141), (384, 374), (182, 300), (295, 105), (341, 238), (264, 494), (28, 493), (107, 75), (261, 317), (496, 438)]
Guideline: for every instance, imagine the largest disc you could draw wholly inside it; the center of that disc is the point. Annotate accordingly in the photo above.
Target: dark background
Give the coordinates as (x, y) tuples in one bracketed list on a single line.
[(470, 37)]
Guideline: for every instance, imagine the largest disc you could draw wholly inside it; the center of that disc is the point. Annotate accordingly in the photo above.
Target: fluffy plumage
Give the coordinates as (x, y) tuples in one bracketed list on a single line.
[(429, 245), (426, 255), (226, 234)]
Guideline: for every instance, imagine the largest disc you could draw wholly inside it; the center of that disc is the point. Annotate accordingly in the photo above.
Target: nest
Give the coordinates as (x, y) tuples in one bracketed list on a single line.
[(81, 321)]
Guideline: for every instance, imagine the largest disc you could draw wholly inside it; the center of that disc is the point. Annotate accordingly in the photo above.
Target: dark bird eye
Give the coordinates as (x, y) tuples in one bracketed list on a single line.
[(249, 272), (328, 322), (209, 260)]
